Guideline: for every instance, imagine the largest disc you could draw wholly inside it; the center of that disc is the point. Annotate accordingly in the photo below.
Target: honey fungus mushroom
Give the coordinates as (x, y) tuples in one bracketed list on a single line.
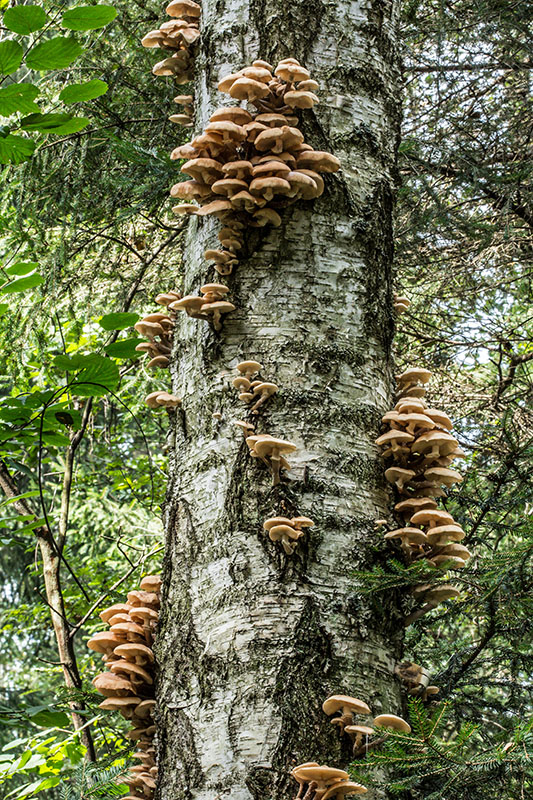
[(319, 778), (272, 451), (347, 706), (393, 722)]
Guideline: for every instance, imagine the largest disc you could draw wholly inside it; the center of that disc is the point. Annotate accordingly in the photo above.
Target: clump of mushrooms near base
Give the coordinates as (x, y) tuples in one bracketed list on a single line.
[(128, 682)]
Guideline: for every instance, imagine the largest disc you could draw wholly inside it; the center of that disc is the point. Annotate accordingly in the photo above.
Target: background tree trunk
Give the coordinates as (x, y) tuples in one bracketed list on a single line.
[(252, 641)]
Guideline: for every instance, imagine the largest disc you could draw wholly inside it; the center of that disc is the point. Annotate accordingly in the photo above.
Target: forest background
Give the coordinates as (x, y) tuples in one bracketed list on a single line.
[(87, 240)]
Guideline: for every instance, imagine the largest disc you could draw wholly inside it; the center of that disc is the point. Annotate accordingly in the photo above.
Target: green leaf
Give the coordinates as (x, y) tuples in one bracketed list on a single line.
[(25, 19), (56, 53), (3, 308), (72, 126), (50, 719), (55, 439), (98, 377), (18, 97), (118, 321), (44, 122), (10, 56), (80, 92), (54, 123), (124, 348), (21, 284), (88, 18), (22, 267), (33, 493), (15, 149)]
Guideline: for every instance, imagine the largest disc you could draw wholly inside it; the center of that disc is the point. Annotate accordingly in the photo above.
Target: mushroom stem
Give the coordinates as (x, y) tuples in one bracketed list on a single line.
[(417, 614), (366, 746), (275, 461), (311, 791)]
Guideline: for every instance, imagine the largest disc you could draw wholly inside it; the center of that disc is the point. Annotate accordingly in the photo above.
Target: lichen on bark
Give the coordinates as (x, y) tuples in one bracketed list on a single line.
[(251, 641)]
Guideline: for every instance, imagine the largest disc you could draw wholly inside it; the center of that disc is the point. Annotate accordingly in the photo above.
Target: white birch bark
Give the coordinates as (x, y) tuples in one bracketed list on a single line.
[(252, 641)]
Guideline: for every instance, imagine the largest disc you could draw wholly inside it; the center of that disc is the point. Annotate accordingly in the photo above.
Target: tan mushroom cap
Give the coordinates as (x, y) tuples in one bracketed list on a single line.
[(117, 608), (392, 721), (126, 705), (144, 709), (143, 598), (111, 685), (296, 770), (144, 615), (151, 584), (300, 98), (432, 517), (183, 8), (346, 704), (440, 419), (302, 522), (323, 775), (414, 504), (394, 439), (448, 562), (399, 476), (274, 447), (249, 368), (406, 405), (443, 534), (436, 441), (456, 550), (414, 375), (415, 422), (235, 114), (410, 535), (344, 788), (365, 730), (273, 521), (103, 642), (134, 651), (443, 475), (438, 594), (318, 161), (135, 672), (247, 89)]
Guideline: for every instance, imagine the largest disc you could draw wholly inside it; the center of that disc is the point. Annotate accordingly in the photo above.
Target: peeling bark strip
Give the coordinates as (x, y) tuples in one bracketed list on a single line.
[(252, 641)]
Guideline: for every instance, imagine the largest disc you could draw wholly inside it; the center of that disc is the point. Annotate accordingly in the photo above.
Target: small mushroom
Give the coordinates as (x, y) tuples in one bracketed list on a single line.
[(392, 721), (347, 706)]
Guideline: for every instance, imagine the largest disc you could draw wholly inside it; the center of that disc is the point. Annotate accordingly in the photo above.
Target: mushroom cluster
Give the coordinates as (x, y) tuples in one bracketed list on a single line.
[(247, 165), (346, 707), (416, 680), (271, 451), (250, 388), (420, 447), (127, 684), (287, 531), (318, 782), (401, 304), (210, 305), (185, 117), (158, 328), (177, 37)]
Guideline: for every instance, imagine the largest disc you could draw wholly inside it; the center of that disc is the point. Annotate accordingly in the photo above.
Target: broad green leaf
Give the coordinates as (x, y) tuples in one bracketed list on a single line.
[(96, 379), (44, 122), (10, 56), (33, 493), (56, 53), (3, 308), (54, 123), (25, 19), (18, 97), (124, 348), (15, 149), (72, 126), (55, 439), (88, 18), (22, 267), (118, 321), (80, 92), (21, 284), (50, 719)]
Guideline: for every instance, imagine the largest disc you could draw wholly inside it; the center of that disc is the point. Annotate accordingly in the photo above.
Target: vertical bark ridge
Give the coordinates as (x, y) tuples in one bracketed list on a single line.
[(252, 641)]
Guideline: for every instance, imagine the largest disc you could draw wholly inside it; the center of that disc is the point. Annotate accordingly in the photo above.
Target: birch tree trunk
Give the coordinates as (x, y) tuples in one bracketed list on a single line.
[(252, 641)]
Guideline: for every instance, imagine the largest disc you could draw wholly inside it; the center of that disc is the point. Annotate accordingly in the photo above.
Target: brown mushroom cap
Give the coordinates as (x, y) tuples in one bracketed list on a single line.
[(344, 788), (410, 535), (117, 608), (344, 703), (103, 642), (392, 721), (134, 672), (111, 685), (273, 521), (134, 651), (319, 161), (126, 705), (143, 598), (235, 114), (432, 517), (323, 775), (414, 504), (414, 375), (443, 475), (365, 730), (274, 447), (249, 368)]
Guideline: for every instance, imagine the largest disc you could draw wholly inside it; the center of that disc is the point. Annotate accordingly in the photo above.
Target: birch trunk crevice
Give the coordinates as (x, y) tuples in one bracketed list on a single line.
[(251, 641)]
